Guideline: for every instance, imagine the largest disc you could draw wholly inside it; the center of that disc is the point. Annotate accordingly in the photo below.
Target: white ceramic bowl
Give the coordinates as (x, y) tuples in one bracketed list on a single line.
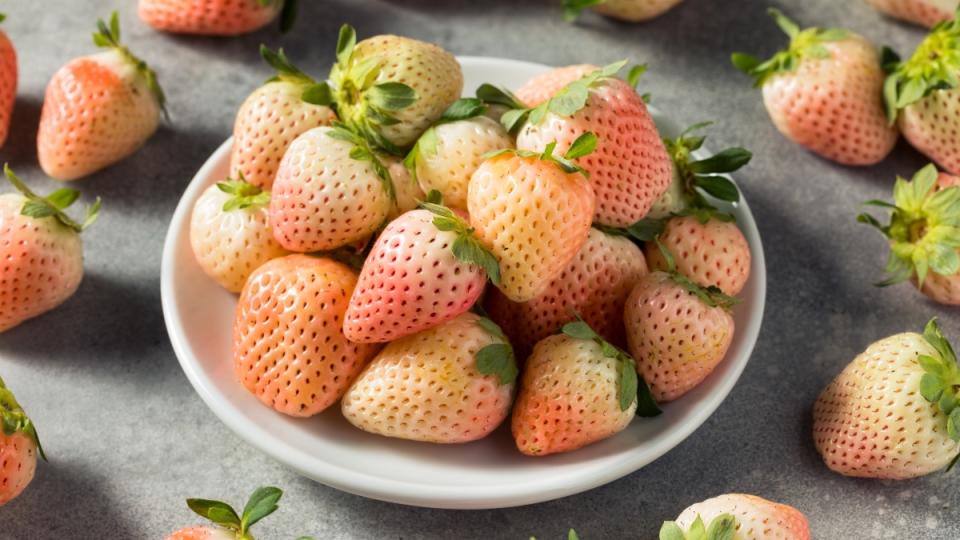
[(489, 473)]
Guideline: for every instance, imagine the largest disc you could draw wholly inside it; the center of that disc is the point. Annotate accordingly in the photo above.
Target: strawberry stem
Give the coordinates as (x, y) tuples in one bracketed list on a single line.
[(52, 205), (107, 36), (13, 418)]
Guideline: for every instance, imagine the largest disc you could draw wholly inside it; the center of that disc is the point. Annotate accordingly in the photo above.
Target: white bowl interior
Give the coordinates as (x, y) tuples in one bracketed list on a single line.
[(484, 474)]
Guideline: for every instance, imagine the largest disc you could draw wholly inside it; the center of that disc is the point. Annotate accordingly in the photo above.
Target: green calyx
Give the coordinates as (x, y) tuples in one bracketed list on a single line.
[(804, 44), (243, 194), (15, 420), (712, 296), (363, 103), (572, 8), (497, 359), (723, 527), (645, 230), (933, 66), (313, 92), (462, 109), (261, 504), (363, 151), (940, 383), (924, 229), (466, 247), (53, 205), (704, 176), (583, 146), (108, 37), (630, 386)]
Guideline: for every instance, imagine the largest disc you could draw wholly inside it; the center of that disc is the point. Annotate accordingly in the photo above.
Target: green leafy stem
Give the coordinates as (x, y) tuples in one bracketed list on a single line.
[(54, 204)]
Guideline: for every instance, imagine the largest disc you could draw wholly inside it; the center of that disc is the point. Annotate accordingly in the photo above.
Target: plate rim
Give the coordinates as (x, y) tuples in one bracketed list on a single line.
[(431, 495)]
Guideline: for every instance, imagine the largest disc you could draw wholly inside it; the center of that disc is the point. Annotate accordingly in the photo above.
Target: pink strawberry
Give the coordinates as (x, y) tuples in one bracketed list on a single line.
[(595, 285), (19, 446), (533, 211), (331, 190), (712, 253), (230, 232), (543, 87), (824, 92), (272, 117), (576, 389), (630, 168), (8, 82), (922, 96), (229, 524), (450, 384), (425, 268), (924, 234), (98, 109), (41, 251), (923, 12), (678, 331), (738, 517), (215, 17), (627, 10), (288, 344), (892, 412)]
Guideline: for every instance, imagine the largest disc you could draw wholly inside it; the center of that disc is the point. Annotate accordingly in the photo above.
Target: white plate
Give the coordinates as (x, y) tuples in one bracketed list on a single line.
[(485, 474)]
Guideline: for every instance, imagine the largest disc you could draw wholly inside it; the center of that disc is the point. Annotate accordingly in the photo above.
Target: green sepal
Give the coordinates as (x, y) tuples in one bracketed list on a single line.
[(363, 151), (243, 194), (497, 358), (722, 527), (804, 44), (466, 247), (107, 36), (463, 109), (262, 503), (573, 97), (712, 296), (572, 8), (940, 383), (288, 15), (3, 17), (645, 230), (699, 177), (582, 146), (14, 419), (53, 205)]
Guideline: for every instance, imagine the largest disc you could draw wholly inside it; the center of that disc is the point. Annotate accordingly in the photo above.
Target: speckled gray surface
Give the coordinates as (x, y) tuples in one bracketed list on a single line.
[(129, 439)]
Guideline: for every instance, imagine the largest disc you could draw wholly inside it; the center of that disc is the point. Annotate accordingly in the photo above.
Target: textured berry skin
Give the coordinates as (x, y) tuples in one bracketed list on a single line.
[(97, 110), (42, 263), (18, 462), (433, 73), (267, 122), (675, 338), (201, 533), (426, 387), (322, 198), (459, 152), (288, 344), (757, 518), (595, 284), (411, 281), (923, 12), (208, 17), (8, 84), (534, 218), (932, 126), (568, 398), (545, 86), (630, 168), (872, 422), (229, 246), (635, 10), (834, 106), (712, 253), (939, 288)]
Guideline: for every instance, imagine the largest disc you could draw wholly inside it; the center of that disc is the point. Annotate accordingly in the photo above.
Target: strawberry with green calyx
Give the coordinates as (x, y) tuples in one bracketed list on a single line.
[(391, 88), (722, 527), (230, 525), (824, 92), (924, 234), (19, 446), (922, 96), (627, 10), (41, 250)]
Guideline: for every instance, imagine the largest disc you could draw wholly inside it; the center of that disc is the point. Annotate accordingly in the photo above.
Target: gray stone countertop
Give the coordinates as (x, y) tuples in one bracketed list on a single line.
[(129, 439)]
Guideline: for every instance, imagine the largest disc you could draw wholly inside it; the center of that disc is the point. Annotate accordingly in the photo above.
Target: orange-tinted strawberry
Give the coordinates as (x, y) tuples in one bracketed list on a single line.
[(533, 211), (202, 533), (924, 234), (425, 268), (923, 12), (8, 82), (825, 93), (595, 285), (19, 447), (288, 344), (630, 168), (737, 516), (544, 86), (576, 389), (41, 251), (325, 195), (450, 384), (892, 412), (627, 10), (214, 17), (229, 524), (97, 109)]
